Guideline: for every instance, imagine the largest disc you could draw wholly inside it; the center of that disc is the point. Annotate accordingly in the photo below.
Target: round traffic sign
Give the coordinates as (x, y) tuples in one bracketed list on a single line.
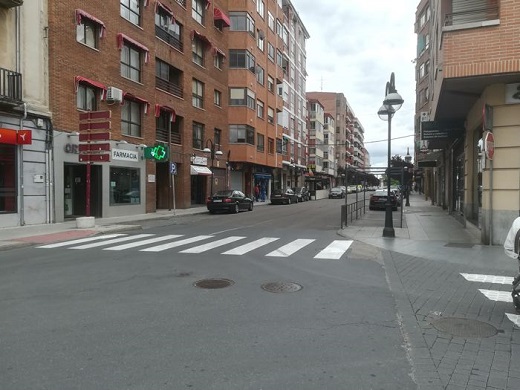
[(489, 145)]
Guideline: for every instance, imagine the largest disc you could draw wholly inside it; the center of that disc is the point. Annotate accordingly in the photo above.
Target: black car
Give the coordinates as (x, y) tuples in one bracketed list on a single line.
[(231, 201), (336, 192), (378, 200), (302, 193), (283, 196)]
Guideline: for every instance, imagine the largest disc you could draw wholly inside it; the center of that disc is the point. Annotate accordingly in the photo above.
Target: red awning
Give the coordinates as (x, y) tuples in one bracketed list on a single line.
[(167, 9), (159, 108), (200, 36), (95, 84), (80, 14), (216, 51), (137, 99), (122, 37), (218, 14)]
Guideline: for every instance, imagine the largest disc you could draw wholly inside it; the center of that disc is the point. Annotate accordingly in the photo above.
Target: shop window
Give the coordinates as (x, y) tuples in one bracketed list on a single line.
[(125, 186), (8, 179)]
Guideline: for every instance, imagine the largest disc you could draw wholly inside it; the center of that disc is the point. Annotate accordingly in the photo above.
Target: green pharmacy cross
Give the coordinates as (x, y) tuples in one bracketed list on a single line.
[(157, 153)]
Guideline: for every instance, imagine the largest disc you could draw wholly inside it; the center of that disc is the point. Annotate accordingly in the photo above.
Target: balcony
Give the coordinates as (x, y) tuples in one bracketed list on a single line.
[(168, 38), (10, 3), (472, 12), (175, 90), (10, 87)]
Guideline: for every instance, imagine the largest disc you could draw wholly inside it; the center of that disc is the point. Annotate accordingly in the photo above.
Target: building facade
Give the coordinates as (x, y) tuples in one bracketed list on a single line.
[(473, 84), (26, 155)]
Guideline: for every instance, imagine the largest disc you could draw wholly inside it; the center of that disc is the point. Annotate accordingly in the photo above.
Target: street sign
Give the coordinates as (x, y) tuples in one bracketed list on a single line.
[(94, 157), (93, 147), (434, 130), (173, 168), (89, 136), (105, 125), (489, 145)]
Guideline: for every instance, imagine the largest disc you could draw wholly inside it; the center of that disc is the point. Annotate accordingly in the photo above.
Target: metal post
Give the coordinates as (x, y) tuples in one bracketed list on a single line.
[(389, 231), (87, 201)]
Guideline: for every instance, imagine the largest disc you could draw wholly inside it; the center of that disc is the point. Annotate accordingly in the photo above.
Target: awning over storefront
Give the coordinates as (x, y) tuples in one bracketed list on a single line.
[(199, 170)]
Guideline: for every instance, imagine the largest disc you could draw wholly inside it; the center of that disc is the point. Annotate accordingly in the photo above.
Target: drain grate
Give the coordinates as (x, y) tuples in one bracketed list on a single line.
[(213, 283), (462, 327), (459, 245), (281, 287)]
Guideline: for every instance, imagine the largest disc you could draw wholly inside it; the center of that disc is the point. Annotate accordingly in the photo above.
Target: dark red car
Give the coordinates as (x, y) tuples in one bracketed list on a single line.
[(378, 200)]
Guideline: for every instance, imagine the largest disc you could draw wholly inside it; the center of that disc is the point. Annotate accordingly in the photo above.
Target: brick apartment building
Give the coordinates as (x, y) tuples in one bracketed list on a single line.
[(472, 107)]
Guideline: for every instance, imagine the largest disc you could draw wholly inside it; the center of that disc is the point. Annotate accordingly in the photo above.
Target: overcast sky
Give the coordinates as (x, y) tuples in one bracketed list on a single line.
[(353, 48)]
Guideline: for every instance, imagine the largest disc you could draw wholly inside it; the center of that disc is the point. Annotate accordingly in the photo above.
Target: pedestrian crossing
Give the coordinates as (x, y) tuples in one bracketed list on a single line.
[(241, 245), (495, 295)]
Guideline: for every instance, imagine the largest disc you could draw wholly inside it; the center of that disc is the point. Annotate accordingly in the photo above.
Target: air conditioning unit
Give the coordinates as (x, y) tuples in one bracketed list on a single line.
[(425, 117), (114, 94)]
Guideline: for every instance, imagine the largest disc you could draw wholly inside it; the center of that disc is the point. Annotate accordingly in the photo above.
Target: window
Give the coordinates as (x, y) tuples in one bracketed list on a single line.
[(125, 187), (260, 40), (8, 174), (241, 59), (131, 118), (162, 126), (270, 51), (86, 98), (270, 84), (197, 10), (260, 74), (217, 138), (130, 10), (270, 115), (242, 134), (198, 135), (197, 49), (131, 62), (87, 33), (270, 145), (218, 59), (217, 98), (242, 21), (168, 28), (260, 142), (260, 109), (168, 78), (242, 97), (270, 20), (197, 93), (260, 8), (279, 146)]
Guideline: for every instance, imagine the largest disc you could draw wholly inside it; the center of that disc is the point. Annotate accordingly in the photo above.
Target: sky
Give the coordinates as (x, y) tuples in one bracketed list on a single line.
[(353, 48)]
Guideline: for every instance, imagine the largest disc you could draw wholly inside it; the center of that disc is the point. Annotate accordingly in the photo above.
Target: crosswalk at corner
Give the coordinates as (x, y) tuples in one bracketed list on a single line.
[(495, 295)]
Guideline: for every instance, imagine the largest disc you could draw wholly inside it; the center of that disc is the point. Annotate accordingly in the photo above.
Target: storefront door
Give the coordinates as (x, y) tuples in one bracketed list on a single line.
[(75, 190)]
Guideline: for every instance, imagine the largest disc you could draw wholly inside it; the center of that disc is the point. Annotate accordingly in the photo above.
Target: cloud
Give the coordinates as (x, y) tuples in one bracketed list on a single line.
[(353, 49)]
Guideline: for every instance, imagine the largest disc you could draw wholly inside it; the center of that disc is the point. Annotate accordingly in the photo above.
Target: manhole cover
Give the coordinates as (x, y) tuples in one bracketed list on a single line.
[(213, 283), (281, 287), (463, 327), (459, 245)]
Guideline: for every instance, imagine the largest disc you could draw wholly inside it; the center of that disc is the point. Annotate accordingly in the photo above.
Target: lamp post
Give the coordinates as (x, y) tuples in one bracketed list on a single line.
[(210, 148), (392, 103)]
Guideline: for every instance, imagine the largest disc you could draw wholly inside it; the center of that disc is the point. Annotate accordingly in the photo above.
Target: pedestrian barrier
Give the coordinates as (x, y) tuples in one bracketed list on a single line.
[(352, 210)]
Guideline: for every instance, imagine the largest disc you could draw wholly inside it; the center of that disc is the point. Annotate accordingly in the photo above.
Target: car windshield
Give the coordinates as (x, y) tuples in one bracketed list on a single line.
[(336, 189), (224, 193), (277, 192), (380, 193)]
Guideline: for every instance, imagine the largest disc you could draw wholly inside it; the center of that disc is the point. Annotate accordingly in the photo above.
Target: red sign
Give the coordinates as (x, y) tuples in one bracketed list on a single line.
[(24, 137), (106, 125), (8, 137), (88, 136), (94, 157), (489, 145), (93, 147), (95, 115)]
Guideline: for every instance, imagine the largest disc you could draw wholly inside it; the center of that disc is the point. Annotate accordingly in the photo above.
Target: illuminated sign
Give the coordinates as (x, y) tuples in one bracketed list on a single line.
[(157, 153)]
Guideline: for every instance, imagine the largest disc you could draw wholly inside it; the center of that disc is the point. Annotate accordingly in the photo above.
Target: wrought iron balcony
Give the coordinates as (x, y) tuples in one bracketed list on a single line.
[(479, 14), (175, 90), (10, 86)]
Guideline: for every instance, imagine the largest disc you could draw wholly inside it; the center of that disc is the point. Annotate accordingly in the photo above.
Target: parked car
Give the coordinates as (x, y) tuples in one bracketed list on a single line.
[(343, 188), (286, 196), (351, 189), (336, 192), (302, 193), (231, 201), (378, 200)]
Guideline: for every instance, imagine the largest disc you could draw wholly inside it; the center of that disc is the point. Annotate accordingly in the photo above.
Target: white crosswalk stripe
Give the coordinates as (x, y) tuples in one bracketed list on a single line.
[(142, 243), (175, 244), (291, 248), (488, 278), (497, 296), (334, 250), (79, 241), (243, 249), (212, 245), (112, 241)]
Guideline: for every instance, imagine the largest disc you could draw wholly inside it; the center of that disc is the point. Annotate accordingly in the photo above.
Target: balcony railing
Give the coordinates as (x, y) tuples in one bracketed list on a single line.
[(175, 90), (479, 14), (168, 38), (10, 86)]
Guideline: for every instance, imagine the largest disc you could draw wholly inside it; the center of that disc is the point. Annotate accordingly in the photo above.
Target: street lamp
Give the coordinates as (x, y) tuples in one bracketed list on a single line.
[(392, 103), (213, 154)]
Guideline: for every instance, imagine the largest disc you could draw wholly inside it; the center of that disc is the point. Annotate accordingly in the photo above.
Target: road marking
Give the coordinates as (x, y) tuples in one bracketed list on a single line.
[(141, 243), (174, 244), (334, 250), (514, 318), (79, 241), (292, 247), (113, 241), (243, 249), (488, 278), (212, 245), (497, 296)]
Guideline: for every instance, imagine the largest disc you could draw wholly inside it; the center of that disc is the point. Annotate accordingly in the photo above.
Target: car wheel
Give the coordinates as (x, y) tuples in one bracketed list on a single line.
[(288, 200), (250, 206), (236, 209), (212, 211)]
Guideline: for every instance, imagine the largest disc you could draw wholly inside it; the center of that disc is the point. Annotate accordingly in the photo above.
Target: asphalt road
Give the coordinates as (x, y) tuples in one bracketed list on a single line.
[(124, 312)]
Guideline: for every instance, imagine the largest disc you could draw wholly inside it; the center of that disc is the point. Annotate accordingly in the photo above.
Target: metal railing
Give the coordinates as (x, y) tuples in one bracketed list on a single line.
[(10, 86), (352, 210)]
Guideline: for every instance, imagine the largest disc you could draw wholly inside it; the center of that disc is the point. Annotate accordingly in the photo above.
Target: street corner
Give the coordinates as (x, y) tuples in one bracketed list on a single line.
[(364, 251), (56, 237)]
